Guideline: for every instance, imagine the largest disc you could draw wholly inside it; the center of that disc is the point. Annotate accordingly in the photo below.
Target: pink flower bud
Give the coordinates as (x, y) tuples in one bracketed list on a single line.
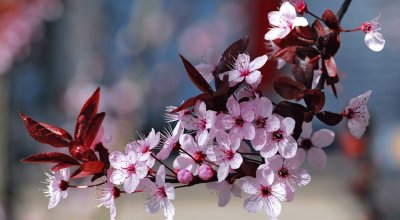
[(206, 172), (185, 176)]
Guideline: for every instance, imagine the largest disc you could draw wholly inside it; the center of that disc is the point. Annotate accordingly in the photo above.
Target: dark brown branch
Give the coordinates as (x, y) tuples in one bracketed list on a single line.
[(343, 9)]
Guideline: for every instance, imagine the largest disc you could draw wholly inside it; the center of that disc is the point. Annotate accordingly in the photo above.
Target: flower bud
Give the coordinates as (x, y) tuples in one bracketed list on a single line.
[(206, 172), (185, 176)]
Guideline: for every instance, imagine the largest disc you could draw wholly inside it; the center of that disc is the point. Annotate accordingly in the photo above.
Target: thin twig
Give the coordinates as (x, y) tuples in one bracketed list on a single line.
[(343, 9)]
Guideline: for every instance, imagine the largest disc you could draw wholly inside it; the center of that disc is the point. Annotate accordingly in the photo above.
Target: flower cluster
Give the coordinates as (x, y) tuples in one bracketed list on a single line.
[(230, 137)]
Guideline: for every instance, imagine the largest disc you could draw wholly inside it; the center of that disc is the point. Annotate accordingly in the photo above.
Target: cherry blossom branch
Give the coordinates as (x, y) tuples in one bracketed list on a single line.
[(88, 186), (343, 9), (171, 170)]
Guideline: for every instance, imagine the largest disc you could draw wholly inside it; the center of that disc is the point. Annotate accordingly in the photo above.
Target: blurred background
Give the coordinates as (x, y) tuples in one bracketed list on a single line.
[(53, 55)]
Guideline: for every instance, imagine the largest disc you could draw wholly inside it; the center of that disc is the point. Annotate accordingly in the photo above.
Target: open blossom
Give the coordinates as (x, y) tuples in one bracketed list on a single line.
[(264, 121), (264, 193), (281, 140), (225, 155), (204, 120), (373, 38), (210, 63), (357, 114), (170, 140), (288, 171), (108, 193), (144, 146), (240, 118), (57, 186), (159, 194), (283, 21), (245, 70), (224, 190), (197, 155), (128, 169), (311, 144)]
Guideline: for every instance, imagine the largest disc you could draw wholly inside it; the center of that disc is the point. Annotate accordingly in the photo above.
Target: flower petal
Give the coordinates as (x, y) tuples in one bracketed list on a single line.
[(323, 138), (131, 183), (118, 160), (276, 33), (374, 41), (317, 157), (223, 171), (258, 62), (300, 21)]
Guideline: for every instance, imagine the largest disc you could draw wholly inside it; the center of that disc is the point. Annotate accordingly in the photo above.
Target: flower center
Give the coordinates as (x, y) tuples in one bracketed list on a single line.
[(277, 135), (366, 27), (260, 123), (244, 72), (131, 169), (266, 191), (161, 192), (199, 157), (229, 154), (283, 172), (306, 144), (239, 121)]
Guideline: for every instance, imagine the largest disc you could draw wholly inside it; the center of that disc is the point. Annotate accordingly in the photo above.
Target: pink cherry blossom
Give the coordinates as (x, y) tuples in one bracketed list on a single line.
[(184, 176), (197, 155), (57, 186), (210, 63), (170, 140), (280, 140), (263, 121), (184, 116), (373, 38), (225, 155), (246, 70), (283, 21), (206, 172), (144, 146), (240, 118), (311, 144), (288, 171), (204, 120), (357, 114), (159, 194), (128, 169), (224, 190), (264, 193)]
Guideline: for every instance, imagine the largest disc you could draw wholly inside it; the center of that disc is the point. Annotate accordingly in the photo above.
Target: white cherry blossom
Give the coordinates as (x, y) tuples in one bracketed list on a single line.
[(373, 38), (245, 70), (128, 169), (57, 186), (357, 114), (283, 21)]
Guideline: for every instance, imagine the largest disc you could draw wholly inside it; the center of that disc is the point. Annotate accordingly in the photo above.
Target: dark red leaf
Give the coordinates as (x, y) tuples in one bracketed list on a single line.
[(331, 20), (191, 102), (80, 152), (97, 176), (103, 154), (329, 44), (51, 157), (196, 78), (319, 30), (315, 100), (88, 168), (62, 166), (42, 134), (231, 53), (295, 111), (59, 131), (329, 118), (86, 115), (288, 54), (94, 128), (289, 88), (297, 37)]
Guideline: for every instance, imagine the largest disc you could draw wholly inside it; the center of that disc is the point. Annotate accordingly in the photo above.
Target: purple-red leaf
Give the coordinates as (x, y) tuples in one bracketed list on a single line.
[(86, 115), (295, 111), (191, 102), (231, 53), (329, 118), (94, 128), (197, 79), (103, 154), (51, 157), (42, 134), (331, 20), (88, 168), (315, 100), (57, 130), (60, 166), (289, 88)]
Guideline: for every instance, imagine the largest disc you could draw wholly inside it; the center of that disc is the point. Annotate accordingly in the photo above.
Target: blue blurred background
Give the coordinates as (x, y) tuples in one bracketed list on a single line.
[(53, 55)]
